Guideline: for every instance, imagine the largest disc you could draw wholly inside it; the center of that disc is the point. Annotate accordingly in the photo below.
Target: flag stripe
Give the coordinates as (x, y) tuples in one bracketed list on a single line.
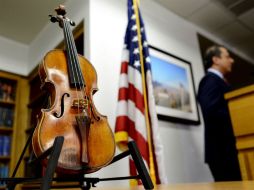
[(124, 67), (122, 121), (127, 108), (132, 94), (131, 76)]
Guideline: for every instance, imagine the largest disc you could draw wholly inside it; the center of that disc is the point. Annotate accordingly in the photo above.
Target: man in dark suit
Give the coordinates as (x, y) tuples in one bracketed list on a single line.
[(220, 148)]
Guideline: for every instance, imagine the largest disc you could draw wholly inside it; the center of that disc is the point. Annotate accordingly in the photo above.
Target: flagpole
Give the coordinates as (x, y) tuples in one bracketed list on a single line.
[(151, 160)]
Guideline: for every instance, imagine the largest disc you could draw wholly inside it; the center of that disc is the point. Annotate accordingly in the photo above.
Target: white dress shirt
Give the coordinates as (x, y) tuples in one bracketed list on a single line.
[(218, 73)]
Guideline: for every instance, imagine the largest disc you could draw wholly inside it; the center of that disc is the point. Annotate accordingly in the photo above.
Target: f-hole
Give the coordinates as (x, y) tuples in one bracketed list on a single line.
[(62, 106)]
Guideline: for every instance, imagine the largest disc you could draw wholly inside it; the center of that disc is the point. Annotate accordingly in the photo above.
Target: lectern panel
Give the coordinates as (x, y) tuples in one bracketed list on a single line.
[(241, 108), (242, 114)]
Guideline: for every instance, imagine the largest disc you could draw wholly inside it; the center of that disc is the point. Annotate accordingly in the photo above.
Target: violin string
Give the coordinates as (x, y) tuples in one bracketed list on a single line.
[(81, 76), (68, 44), (76, 66), (74, 55)]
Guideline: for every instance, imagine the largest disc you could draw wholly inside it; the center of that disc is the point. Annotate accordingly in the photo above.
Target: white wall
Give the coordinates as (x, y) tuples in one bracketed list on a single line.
[(105, 24), (13, 56)]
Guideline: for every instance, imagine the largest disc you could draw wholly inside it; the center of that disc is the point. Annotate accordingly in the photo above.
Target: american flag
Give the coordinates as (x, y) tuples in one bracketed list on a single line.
[(131, 121)]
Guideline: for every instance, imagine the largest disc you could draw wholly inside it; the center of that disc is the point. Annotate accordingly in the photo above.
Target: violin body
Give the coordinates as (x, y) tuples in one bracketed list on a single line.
[(88, 140)]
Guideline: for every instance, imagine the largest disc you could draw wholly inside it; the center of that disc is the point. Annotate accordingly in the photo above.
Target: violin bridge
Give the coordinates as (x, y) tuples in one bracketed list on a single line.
[(80, 103)]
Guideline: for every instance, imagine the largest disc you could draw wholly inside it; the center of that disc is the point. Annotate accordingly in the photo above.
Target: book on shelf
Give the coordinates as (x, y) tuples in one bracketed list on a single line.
[(1, 145), (5, 145), (4, 171), (7, 90), (6, 116)]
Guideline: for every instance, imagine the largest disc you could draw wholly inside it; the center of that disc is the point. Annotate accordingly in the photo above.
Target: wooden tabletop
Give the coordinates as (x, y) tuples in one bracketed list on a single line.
[(243, 185)]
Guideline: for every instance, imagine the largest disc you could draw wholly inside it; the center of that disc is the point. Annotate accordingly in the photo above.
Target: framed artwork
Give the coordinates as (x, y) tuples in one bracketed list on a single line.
[(174, 91)]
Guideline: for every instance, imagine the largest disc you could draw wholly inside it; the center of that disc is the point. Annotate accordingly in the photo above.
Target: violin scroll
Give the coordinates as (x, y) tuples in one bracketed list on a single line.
[(61, 12)]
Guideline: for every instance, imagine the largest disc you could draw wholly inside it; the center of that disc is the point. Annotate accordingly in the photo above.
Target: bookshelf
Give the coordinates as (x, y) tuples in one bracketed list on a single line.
[(13, 100)]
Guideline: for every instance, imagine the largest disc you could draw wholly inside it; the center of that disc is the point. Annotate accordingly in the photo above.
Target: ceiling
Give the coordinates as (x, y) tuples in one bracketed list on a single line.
[(230, 20), (22, 20)]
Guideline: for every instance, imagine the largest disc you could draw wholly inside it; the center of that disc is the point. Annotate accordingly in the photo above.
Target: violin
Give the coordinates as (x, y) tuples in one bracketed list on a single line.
[(71, 81)]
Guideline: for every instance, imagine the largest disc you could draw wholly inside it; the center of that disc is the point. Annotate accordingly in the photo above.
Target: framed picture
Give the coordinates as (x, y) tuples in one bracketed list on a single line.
[(174, 90)]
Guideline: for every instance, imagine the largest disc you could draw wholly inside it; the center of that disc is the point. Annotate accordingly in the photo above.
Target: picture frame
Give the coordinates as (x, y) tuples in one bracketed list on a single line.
[(174, 90)]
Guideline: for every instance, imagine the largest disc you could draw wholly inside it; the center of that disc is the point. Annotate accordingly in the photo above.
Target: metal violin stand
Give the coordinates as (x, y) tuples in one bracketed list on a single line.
[(45, 182)]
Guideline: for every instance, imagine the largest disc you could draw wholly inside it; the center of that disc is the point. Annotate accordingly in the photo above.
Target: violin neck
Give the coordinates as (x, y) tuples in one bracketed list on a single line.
[(75, 74)]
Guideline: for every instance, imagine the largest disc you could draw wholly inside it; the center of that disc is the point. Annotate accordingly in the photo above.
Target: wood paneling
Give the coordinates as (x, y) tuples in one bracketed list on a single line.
[(241, 107)]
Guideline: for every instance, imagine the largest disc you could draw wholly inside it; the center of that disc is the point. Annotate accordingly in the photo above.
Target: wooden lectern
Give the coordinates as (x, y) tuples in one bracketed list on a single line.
[(241, 108)]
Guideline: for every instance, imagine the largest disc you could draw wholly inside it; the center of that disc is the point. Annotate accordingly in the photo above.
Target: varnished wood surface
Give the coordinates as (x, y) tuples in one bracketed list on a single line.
[(240, 92), (241, 107), (245, 185), (241, 185), (82, 142)]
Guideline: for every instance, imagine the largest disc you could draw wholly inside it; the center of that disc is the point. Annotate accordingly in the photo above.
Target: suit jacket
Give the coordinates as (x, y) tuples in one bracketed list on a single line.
[(219, 136)]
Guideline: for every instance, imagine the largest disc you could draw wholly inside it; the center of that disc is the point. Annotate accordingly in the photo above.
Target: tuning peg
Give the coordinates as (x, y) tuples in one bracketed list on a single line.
[(72, 23), (53, 18)]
